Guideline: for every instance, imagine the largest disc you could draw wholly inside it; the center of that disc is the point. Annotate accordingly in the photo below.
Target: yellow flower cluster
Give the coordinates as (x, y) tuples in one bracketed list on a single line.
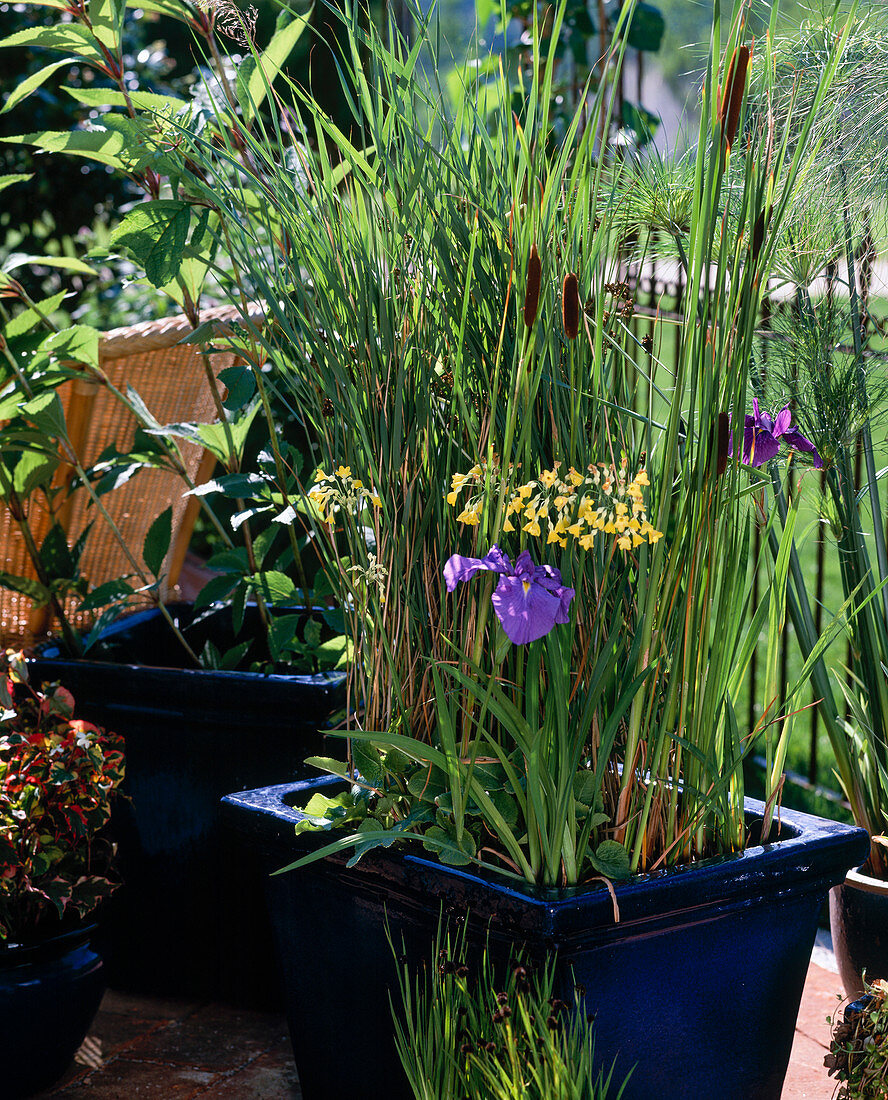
[(475, 479), (602, 500), (339, 490)]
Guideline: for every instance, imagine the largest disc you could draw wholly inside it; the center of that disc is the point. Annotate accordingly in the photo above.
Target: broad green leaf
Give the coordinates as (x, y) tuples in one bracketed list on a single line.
[(77, 344), (12, 180), (34, 590), (108, 593), (31, 83), (230, 561), (281, 633), (21, 259), (106, 19), (328, 764), (142, 101), (368, 762), (214, 436), (47, 413), (611, 860), (276, 588), (155, 233), (67, 37), (33, 469), (106, 146), (646, 28), (240, 384), (157, 541), (215, 590), (55, 554), (30, 318), (171, 8)]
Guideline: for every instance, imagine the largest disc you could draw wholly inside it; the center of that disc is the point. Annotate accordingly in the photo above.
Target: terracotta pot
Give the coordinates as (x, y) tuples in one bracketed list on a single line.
[(858, 916)]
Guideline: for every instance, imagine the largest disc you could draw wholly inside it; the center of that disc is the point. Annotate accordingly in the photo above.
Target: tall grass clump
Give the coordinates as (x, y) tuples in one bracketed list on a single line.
[(548, 591)]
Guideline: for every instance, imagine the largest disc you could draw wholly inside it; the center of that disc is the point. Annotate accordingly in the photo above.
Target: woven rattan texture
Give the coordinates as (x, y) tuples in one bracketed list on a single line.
[(171, 380)]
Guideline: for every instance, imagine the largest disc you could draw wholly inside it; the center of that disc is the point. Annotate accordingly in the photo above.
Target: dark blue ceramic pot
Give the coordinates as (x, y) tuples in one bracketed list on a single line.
[(858, 917), (189, 920), (697, 987), (49, 995)]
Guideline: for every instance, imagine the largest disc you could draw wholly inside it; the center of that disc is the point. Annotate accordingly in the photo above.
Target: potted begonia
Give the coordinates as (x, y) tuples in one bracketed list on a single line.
[(58, 778)]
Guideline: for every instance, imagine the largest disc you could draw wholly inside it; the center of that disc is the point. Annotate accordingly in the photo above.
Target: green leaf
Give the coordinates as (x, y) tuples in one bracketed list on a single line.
[(368, 762), (240, 384), (585, 787), (66, 263), (155, 234), (106, 20), (611, 860), (106, 146), (275, 587), (46, 412), (27, 587), (55, 554), (215, 590), (111, 592), (281, 633), (30, 318), (213, 436), (77, 344), (335, 653), (142, 101), (67, 37), (328, 764), (157, 541), (33, 469), (31, 83), (12, 180)]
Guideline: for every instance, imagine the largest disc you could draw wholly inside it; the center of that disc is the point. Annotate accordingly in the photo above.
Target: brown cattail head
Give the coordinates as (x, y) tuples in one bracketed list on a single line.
[(570, 306), (732, 96), (532, 294), (758, 234), (724, 438)]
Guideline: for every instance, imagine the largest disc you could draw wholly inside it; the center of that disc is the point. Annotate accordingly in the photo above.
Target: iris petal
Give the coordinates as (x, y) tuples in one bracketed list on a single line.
[(525, 615), (459, 568)]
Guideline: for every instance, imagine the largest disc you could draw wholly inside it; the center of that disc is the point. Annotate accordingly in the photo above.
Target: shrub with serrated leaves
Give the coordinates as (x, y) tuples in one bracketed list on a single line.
[(58, 776)]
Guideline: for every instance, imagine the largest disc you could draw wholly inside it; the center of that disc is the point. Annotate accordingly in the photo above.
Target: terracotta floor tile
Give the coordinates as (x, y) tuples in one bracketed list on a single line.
[(270, 1077), (215, 1038), (158, 1008), (129, 1079)]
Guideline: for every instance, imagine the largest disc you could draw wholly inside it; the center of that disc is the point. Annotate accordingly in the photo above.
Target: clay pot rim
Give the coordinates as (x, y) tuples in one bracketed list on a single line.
[(867, 883)]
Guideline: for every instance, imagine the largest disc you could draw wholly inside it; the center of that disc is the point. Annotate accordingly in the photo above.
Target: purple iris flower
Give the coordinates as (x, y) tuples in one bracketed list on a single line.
[(761, 439), (529, 599)]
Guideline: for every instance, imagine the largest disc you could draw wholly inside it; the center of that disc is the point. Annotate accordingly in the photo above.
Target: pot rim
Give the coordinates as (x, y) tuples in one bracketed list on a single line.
[(268, 814), (860, 881)]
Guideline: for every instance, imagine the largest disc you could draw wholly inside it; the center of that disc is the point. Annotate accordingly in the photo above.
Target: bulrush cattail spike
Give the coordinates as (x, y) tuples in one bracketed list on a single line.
[(732, 96), (724, 437), (570, 306), (758, 234), (532, 294)]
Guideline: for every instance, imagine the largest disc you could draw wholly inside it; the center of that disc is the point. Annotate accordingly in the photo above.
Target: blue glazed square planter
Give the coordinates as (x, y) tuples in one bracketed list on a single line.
[(696, 989), (188, 920)]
